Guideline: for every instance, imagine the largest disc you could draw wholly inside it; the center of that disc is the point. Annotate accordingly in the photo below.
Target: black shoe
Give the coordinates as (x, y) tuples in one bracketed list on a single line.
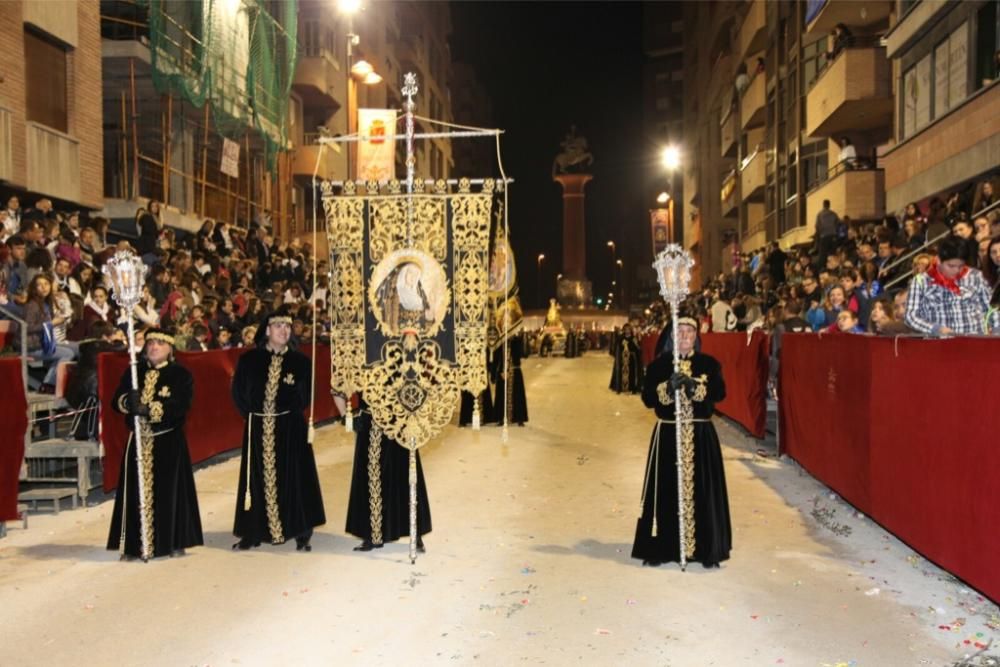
[(710, 565), (302, 543), (177, 553), (245, 545), (367, 545), (652, 563), (420, 546), (127, 558)]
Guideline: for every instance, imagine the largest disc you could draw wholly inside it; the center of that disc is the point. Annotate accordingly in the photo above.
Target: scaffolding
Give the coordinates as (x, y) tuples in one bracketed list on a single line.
[(196, 76)]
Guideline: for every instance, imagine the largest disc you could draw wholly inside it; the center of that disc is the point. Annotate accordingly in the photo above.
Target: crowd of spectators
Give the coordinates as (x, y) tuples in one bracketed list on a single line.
[(210, 289), (933, 270)]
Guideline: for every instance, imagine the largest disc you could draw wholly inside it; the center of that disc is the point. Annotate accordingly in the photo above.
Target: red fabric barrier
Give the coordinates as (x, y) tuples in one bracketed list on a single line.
[(14, 417), (905, 431), (213, 424), (744, 368)]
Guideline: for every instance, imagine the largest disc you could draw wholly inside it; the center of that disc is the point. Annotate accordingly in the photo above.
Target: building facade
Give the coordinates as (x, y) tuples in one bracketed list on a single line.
[(50, 108)]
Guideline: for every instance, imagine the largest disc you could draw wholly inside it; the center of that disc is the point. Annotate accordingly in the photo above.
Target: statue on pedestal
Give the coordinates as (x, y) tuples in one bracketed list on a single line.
[(575, 154)]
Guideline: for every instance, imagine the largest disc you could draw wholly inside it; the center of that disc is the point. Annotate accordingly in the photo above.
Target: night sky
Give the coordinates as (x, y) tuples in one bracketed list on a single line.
[(547, 66)]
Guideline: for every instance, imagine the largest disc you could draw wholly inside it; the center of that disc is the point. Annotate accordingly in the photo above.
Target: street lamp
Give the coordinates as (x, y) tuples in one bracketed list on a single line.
[(670, 157), (662, 198), (357, 72), (621, 288), (541, 258)]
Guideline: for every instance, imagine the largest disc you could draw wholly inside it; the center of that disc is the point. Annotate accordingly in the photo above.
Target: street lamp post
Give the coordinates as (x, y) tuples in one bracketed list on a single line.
[(671, 160), (614, 260), (356, 72), (541, 258)]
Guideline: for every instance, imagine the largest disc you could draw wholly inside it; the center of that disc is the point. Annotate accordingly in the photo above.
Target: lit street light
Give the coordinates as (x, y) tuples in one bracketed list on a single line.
[(671, 158), (662, 198)]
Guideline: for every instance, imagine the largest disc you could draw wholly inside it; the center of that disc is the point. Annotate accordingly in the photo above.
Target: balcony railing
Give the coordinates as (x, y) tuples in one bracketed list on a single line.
[(858, 193), (853, 93), (752, 102), (753, 176), (53, 162), (729, 134), (727, 195), (752, 32)]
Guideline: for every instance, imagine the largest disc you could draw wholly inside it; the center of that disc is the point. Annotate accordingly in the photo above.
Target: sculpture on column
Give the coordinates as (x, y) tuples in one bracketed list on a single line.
[(569, 169)]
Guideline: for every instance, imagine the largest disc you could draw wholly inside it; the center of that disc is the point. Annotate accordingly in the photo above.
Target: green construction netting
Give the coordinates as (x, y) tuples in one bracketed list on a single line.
[(238, 56)]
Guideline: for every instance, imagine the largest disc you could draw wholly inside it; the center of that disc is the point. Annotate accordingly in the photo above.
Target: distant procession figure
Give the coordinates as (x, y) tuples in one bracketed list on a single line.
[(510, 400), (378, 510), (162, 403), (708, 528), (627, 372), (278, 496)]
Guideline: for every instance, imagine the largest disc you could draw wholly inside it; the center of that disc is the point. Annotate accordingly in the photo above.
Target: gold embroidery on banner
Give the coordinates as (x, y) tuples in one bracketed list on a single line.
[(144, 455), (411, 390), (375, 483), (268, 456), (685, 415)]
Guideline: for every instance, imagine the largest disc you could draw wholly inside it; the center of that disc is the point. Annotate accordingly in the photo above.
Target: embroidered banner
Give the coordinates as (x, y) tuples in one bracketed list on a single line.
[(408, 299), (377, 154), (505, 317)]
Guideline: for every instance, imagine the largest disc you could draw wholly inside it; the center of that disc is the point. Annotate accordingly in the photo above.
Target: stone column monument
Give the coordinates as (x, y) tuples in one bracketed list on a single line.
[(570, 170)]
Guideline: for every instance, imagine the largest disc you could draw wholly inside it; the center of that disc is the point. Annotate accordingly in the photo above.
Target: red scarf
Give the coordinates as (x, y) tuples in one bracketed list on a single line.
[(950, 284)]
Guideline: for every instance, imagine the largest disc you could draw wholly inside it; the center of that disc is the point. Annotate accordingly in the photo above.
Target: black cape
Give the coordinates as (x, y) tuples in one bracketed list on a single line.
[(168, 391), (465, 411), (627, 372), (510, 396), (271, 391), (379, 506), (712, 527)]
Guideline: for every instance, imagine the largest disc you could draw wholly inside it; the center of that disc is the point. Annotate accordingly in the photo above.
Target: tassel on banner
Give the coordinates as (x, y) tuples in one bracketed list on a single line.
[(246, 501), (475, 417), (654, 522), (349, 421), (312, 433)]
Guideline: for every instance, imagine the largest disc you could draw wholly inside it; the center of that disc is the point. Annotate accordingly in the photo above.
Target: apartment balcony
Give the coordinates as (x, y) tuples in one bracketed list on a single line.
[(852, 13), (753, 176), (727, 196), (53, 162), (753, 33), (729, 134), (752, 103), (857, 193), (319, 81), (854, 93), (332, 166)]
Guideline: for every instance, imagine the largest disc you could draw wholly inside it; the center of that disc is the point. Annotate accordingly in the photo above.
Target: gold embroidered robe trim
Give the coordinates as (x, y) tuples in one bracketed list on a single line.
[(268, 454)]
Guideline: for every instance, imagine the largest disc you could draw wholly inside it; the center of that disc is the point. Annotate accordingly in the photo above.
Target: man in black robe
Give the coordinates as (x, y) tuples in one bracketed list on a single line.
[(378, 510), (510, 401), (171, 502), (278, 496), (706, 503), (626, 374)]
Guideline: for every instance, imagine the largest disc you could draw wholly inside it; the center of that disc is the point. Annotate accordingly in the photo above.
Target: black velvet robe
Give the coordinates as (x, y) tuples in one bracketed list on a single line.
[(572, 344), (379, 506), (168, 391), (271, 390), (627, 372), (516, 402), (712, 528)]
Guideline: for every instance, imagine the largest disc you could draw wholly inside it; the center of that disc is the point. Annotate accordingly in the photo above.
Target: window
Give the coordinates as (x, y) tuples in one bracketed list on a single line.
[(987, 44), (45, 75)]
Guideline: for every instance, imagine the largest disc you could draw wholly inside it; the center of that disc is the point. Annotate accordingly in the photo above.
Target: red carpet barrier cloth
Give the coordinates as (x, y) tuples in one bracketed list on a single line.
[(906, 432), (14, 418), (744, 368), (213, 425)]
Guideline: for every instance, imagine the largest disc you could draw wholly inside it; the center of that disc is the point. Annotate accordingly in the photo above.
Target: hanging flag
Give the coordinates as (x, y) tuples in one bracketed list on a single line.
[(506, 317), (377, 153), (661, 223)]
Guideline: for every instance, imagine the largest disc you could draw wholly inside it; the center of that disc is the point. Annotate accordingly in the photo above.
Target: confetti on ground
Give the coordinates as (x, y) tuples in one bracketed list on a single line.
[(527, 570), (602, 631), (871, 592)]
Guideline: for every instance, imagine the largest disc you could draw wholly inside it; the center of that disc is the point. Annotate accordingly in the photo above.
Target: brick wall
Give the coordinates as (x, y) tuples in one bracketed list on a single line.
[(12, 86)]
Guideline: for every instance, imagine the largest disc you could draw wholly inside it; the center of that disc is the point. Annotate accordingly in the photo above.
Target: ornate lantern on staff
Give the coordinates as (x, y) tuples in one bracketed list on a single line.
[(673, 271), (126, 274)]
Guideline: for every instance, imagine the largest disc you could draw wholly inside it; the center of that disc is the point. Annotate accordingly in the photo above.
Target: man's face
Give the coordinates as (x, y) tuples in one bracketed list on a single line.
[(963, 230), (847, 283), (224, 336), (865, 252), (62, 268), (13, 203), (809, 285), (18, 252), (34, 233), (73, 221), (157, 351), (899, 305), (685, 338), (87, 236), (950, 268), (278, 334), (883, 249)]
